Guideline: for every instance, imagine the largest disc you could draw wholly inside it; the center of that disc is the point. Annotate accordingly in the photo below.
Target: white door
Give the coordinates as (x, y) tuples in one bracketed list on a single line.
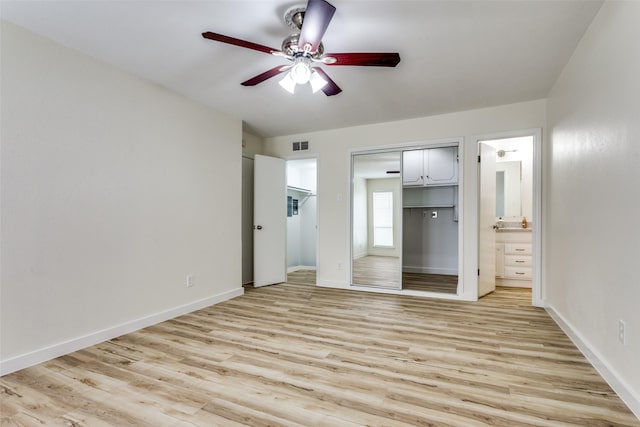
[(486, 221), (269, 221)]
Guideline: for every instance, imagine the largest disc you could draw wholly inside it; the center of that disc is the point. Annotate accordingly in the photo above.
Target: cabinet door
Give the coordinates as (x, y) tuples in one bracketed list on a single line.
[(441, 166), (412, 168), (499, 260)]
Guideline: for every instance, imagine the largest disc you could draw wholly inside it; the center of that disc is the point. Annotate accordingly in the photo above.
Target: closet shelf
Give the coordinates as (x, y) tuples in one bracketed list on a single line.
[(305, 194)]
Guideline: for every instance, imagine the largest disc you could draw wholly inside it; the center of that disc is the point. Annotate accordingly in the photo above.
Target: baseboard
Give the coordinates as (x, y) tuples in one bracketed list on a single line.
[(51, 352), (513, 283), (328, 284), (614, 380), (429, 270), (301, 267)]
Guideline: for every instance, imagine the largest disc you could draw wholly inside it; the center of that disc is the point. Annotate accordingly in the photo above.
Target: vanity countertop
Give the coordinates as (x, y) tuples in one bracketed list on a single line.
[(513, 229)]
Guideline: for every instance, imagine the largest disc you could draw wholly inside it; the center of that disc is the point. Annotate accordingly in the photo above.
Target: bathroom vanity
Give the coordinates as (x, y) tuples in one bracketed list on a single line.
[(514, 257)]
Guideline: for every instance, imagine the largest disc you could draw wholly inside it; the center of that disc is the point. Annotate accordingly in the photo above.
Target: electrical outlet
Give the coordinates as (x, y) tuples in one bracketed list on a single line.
[(190, 281), (622, 333)]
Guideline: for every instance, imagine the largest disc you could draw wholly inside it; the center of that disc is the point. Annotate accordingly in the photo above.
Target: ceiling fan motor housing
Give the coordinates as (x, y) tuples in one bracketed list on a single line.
[(290, 47)]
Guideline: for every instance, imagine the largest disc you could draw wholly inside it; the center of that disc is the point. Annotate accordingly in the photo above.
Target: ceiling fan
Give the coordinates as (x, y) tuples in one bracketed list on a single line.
[(305, 50)]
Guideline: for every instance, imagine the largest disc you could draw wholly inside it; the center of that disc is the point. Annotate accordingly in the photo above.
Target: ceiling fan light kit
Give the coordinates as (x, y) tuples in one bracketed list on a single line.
[(305, 48)]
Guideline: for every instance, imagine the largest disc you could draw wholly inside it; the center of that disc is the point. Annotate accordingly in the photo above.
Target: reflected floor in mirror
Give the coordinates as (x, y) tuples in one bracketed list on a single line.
[(382, 271)]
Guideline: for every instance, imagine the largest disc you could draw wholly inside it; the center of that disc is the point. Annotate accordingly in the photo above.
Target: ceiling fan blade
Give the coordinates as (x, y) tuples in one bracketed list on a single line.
[(364, 59), (238, 42), (331, 88), (315, 23), (266, 75)]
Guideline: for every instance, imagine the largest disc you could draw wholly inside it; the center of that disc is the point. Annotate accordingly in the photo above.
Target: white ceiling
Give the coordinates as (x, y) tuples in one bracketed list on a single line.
[(456, 55)]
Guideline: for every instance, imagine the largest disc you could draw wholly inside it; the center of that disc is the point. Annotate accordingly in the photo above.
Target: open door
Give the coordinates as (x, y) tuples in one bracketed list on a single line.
[(487, 221), (270, 221)]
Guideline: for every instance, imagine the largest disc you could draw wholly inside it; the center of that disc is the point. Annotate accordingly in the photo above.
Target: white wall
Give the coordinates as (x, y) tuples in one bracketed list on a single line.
[(113, 191), (360, 223), (333, 150), (592, 197)]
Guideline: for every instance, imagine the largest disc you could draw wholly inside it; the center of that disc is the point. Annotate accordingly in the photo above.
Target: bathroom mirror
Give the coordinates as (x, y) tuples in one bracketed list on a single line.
[(376, 219), (508, 189)]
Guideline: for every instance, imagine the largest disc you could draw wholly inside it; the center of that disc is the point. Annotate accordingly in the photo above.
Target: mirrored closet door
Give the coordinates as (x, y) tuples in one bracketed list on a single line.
[(376, 220), (405, 224)]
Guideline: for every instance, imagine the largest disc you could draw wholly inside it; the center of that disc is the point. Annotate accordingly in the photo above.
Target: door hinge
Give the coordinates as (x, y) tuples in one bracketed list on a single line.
[(478, 272), (478, 158)]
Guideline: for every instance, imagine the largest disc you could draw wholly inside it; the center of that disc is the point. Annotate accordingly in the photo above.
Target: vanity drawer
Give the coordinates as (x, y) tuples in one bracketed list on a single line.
[(512, 272), (517, 248), (517, 260)]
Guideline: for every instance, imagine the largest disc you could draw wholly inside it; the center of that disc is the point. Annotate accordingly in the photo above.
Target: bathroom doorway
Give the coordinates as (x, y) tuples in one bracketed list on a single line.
[(509, 212)]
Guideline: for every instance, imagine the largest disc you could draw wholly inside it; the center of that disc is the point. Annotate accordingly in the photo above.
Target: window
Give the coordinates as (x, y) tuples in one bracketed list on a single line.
[(383, 219)]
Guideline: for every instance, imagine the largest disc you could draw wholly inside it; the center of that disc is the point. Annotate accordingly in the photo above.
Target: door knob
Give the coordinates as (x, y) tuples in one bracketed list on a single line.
[(259, 227)]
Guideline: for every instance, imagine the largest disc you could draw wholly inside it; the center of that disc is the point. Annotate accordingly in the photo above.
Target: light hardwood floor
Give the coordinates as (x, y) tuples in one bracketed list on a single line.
[(302, 277), (296, 354)]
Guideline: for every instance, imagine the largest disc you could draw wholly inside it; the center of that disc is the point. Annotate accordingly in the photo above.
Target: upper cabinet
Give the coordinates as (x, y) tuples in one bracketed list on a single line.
[(431, 166)]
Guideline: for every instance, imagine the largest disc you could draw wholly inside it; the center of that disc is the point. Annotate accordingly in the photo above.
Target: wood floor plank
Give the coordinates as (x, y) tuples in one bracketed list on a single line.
[(298, 355)]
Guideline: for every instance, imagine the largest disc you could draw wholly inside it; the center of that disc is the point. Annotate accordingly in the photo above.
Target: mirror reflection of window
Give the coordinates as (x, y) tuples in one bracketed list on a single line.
[(383, 219)]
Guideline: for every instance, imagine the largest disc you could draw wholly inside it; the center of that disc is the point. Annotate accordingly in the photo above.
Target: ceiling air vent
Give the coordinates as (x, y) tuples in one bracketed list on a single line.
[(296, 146)]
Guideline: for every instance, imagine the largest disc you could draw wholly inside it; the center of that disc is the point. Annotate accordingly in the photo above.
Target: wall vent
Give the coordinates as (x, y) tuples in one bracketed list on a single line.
[(300, 145)]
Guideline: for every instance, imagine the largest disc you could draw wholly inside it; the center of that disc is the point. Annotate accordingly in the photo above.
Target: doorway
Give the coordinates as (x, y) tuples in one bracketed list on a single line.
[(302, 214), (509, 212)]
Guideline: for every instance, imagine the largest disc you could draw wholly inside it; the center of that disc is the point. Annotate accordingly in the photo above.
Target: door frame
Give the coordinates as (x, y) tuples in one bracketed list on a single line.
[(537, 290)]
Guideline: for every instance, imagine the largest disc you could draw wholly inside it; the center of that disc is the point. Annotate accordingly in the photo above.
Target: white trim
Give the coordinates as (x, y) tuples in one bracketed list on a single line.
[(615, 380), (51, 352), (429, 270), (406, 292), (400, 147), (300, 267)]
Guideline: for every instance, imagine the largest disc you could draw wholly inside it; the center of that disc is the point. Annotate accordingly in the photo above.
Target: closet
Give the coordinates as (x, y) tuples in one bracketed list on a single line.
[(430, 219), (301, 214), (422, 185)]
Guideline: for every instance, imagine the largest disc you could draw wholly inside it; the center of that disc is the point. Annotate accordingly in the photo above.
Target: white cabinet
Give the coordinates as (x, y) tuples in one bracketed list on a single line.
[(412, 167), (514, 258), (499, 260), (430, 167), (441, 166), (517, 261)]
